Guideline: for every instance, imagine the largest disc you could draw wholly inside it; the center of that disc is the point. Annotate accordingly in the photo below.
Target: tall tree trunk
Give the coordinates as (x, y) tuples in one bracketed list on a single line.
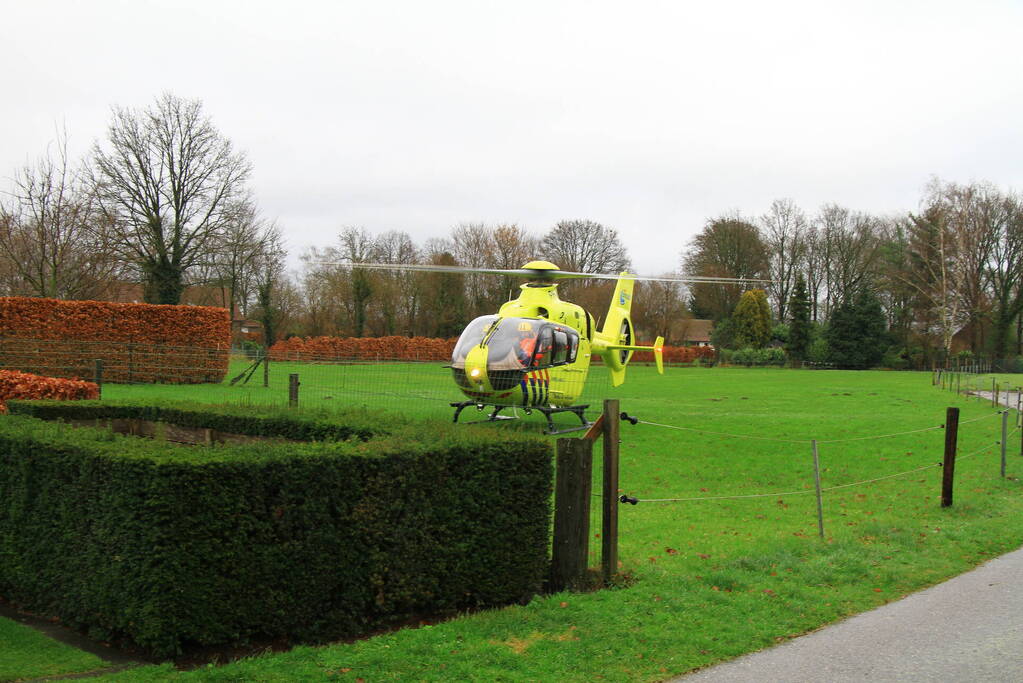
[(163, 283)]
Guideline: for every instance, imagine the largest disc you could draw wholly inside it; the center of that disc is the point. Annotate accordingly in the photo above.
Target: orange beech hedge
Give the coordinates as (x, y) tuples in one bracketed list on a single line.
[(136, 342), (425, 349), (363, 348), (24, 385), (677, 354)]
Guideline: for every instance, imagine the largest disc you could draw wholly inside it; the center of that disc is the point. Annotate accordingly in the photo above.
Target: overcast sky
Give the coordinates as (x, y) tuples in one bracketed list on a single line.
[(649, 117)]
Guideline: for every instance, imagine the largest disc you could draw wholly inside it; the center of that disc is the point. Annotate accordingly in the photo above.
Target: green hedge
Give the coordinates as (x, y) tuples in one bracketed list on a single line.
[(264, 421), (173, 546)]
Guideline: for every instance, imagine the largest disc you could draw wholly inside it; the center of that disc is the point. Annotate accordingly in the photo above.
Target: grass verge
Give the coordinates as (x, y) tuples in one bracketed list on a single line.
[(26, 653)]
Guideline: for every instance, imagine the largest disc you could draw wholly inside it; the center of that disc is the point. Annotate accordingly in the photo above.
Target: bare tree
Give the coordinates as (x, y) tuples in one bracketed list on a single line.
[(974, 215), (357, 245), (1005, 213), (324, 286), (399, 295), (848, 252), (935, 274), (167, 180), (237, 255), (585, 246), (784, 227), (588, 247), (52, 239), (274, 300), (512, 247), (660, 310), (473, 244)]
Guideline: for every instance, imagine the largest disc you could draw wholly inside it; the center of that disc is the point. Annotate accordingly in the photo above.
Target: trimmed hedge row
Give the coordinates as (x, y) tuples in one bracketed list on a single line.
[(363, 348), (173, 546), (425, 349), (136, 342), (676, 354), (307, 425), (24, 385)]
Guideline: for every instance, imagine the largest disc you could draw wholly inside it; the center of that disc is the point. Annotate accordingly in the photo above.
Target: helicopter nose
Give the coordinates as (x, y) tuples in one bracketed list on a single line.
[(476, 368)]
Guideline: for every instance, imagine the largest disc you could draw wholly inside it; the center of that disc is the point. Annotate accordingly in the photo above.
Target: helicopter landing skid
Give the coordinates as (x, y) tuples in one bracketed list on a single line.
[(547, 412)]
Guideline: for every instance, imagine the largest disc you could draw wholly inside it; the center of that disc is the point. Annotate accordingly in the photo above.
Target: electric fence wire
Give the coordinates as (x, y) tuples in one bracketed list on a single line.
[(823, 490), (806, 441)]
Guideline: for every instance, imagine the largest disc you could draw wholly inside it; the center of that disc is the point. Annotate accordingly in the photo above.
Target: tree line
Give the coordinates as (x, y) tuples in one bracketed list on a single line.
[(162, 199), (953, 270)]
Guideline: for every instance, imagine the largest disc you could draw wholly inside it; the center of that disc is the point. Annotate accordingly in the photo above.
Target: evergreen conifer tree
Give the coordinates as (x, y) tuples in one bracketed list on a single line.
[(856, 334), (799, 322), (752, 320)]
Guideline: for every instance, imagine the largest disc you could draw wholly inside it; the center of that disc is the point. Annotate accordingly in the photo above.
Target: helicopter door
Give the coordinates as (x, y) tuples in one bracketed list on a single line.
[(543, 354)]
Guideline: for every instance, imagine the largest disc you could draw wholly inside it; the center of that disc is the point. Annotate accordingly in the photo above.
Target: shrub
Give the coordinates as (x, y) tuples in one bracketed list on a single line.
[(172, 545), (818, 352), (759, 357)]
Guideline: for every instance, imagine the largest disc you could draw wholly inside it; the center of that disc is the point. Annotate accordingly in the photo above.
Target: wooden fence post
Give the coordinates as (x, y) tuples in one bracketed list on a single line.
[(293, 390), (98, 376), (949, 463), (609, 518), (572, 490), (817, 485), (1005, 436)]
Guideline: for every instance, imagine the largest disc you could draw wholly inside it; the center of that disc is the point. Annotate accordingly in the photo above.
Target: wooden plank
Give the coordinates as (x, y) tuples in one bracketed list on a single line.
[(595, 430)]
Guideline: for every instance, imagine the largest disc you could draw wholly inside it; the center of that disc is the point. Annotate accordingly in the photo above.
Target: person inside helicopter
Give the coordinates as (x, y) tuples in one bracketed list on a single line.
[(512, 345)]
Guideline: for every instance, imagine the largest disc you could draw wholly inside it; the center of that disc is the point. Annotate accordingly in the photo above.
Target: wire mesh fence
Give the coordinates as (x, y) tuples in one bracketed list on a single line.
[(424, 386), (124, 362)]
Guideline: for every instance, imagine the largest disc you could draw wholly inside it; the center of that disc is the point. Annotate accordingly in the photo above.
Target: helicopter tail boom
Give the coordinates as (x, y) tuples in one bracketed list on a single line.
[(614, 341)]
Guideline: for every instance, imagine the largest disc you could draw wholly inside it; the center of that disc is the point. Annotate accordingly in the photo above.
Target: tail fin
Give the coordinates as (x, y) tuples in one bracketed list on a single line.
[(614, 342)]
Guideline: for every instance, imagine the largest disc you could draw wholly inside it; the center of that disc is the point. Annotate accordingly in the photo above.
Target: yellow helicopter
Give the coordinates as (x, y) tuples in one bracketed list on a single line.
[(535, 352)]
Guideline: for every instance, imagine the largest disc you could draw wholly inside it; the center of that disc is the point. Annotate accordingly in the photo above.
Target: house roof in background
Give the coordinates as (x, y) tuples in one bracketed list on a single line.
[(696, 330)]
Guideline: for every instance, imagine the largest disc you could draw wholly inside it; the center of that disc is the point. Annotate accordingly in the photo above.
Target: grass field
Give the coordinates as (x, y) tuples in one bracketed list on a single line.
[(714, 575), (26, 653)]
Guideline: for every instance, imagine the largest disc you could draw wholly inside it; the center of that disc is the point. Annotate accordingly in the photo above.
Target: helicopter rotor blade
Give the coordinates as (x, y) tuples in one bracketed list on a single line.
[(540, 273), (537, 273)]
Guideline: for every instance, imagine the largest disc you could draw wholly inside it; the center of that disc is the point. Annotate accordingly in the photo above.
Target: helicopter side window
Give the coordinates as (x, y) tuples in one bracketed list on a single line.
[(560, 347), (573, 346), (566, 346)]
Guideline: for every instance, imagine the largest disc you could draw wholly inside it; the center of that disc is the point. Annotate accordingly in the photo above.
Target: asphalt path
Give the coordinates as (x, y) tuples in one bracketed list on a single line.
[(969, 628)]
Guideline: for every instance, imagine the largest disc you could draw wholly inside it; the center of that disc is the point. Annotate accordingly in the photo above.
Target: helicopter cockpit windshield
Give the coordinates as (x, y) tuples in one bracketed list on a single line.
[(517, 344), (471, 336)]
